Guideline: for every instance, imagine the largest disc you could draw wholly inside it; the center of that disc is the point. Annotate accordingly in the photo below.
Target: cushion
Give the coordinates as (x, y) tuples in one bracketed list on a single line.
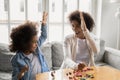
[(99, 56), (57, 54), (101, 64), (5, 56), (5, 76), (46, 49), (112, 57), (4, 47)]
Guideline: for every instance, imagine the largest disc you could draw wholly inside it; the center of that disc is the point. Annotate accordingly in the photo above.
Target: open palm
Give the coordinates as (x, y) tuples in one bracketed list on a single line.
[(44, 17)]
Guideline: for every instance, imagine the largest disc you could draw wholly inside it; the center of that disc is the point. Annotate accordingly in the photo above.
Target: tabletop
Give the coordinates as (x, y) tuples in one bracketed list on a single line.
[(96, 73)]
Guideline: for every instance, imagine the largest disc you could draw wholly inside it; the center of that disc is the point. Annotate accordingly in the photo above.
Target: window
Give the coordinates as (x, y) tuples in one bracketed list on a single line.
[(53, 6), (17, 13), (55, 20), (67, 26), (58, 10), (3, 21), (22, 5), (35, 10), (5, 5), (39, 5), (84, 5), (3, 13), (4, 35)]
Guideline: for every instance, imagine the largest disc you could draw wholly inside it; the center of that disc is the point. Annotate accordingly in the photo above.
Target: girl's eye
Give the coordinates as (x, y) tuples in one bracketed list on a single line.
[(34, 41)]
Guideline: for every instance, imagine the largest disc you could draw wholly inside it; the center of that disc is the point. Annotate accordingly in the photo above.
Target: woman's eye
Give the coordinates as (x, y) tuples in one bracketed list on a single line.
[(72, 25)]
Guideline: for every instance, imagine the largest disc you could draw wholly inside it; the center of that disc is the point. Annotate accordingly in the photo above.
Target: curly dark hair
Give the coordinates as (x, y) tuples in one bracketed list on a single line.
[(21, 36), (88, 19)]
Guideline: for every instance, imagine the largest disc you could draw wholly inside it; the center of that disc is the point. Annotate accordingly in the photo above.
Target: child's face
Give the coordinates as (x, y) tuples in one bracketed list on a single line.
[(77, 29), (33, 43)]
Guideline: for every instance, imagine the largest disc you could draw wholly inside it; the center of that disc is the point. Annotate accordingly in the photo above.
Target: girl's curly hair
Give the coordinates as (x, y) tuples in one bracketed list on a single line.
[(88, 19), (21, 36)]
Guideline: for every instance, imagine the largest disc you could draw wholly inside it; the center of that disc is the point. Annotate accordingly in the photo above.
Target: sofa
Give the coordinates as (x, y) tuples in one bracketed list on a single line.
[(53, 53)]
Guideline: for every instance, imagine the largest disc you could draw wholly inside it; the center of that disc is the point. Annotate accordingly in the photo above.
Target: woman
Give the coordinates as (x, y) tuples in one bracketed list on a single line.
[(79, 48)]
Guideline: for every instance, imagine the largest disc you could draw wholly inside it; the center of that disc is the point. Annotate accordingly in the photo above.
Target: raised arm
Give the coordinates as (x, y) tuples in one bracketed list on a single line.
[(43, 36), (94, 45)]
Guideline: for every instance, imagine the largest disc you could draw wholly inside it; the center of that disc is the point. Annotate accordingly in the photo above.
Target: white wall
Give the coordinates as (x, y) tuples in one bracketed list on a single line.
[(109, 23)]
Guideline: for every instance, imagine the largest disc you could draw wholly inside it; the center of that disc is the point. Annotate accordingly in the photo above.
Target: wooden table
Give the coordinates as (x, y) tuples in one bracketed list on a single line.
[(100, 73)]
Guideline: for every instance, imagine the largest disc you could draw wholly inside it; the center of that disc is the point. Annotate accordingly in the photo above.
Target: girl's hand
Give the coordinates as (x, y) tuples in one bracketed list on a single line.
[(22, 72), (44, 18), (81, 66)]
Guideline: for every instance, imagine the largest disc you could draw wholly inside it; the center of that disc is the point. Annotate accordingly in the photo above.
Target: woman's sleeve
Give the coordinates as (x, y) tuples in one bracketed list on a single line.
[(93, 43), (43, 36), (67, 62)]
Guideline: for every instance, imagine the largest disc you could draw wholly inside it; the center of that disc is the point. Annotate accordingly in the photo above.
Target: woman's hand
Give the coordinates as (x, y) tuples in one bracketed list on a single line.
[(83, 25), (44, 18), (22, 72)]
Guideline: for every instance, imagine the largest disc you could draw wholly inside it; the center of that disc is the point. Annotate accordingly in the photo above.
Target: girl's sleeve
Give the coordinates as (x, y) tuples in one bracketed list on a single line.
[(43, 36), (15, 70)]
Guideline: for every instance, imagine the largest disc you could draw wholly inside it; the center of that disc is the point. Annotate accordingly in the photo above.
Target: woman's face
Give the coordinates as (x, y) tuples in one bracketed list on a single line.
[(77, 29), (33, 43)]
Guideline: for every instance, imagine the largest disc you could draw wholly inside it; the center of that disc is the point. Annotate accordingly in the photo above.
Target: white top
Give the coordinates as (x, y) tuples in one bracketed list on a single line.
[(82, 52), (36, 67), (70, 46)]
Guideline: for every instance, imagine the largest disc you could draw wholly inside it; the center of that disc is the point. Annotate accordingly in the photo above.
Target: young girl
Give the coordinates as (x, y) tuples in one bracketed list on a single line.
[(79, 48), (28, 60)]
